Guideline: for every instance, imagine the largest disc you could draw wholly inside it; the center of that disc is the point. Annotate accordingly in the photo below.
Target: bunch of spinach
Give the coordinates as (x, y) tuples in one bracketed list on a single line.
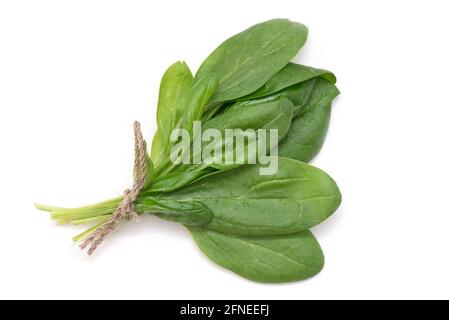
[(254, 225)]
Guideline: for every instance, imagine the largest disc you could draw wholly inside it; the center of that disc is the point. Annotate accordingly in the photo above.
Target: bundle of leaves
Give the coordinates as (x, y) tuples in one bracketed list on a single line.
[(254, 225)]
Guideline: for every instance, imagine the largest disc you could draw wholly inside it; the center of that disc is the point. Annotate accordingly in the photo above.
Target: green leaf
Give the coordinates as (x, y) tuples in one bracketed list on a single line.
[(308, 131), (275, 114), (212, 111), (173, 93), (242, 201), (299, 94), (290, 75), (200, 94), (271, 259), (246, 61)]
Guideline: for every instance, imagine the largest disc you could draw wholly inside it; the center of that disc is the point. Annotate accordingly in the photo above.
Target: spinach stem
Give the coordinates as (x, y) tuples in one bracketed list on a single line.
[(80, 215)]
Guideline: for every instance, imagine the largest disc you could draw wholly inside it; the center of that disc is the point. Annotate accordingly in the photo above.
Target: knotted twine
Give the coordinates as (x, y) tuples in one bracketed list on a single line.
[(125, 211)]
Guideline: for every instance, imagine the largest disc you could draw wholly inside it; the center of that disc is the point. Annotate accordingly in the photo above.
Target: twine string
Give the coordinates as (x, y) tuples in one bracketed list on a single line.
[(125, 211)]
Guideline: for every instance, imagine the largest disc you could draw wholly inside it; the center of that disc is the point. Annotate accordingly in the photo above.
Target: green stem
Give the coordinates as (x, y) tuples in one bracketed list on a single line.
[(185, 212), (86, 213)]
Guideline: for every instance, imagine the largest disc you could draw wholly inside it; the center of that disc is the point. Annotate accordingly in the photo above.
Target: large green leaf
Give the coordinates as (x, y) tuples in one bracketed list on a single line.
[(243, 201), (273, 259), (246, 61), (173, 93)]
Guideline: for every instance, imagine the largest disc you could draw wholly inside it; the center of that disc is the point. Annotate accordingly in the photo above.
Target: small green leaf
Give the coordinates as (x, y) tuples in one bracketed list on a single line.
[(200, 94), (308, 130), (173, 93), (290, 75)]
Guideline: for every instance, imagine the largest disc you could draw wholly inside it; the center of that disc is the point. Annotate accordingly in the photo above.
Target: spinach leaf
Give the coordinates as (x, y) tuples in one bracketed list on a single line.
[(308, 131), (246, 61), (242, 201), (299, 94), (276, 114), (290, 75), (200, 94), (212, 111), (271, 259), (173, 92)]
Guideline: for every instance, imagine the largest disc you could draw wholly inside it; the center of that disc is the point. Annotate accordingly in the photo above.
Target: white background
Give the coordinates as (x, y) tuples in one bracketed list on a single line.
[(75, 74)]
